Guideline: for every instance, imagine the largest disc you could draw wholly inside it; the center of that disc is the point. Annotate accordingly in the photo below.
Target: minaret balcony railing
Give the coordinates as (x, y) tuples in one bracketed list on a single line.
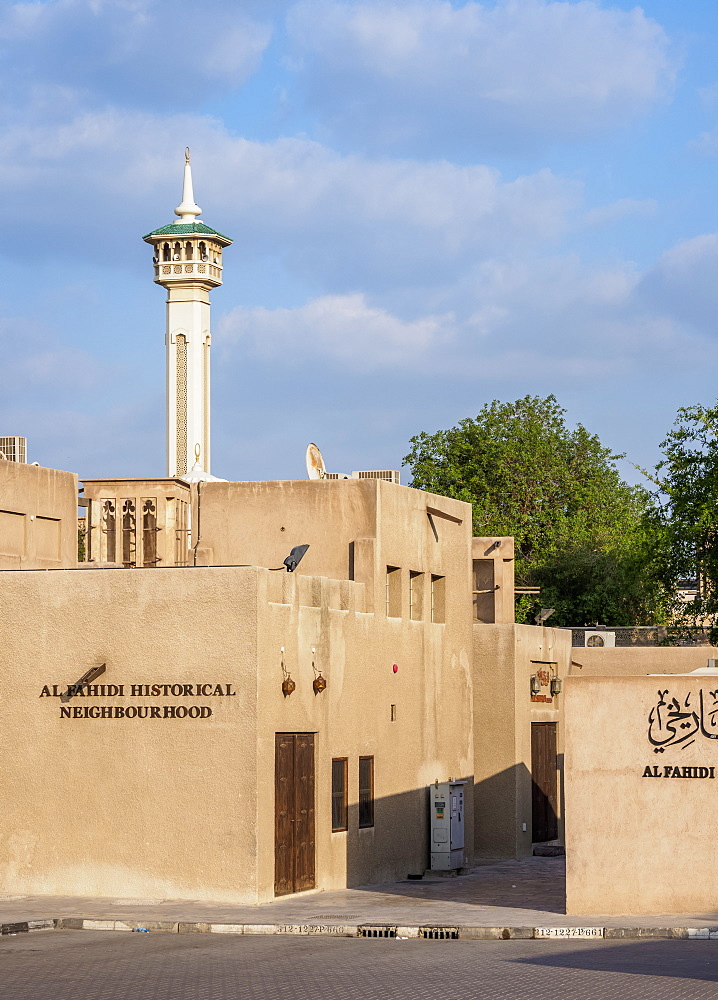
[(166, 271)]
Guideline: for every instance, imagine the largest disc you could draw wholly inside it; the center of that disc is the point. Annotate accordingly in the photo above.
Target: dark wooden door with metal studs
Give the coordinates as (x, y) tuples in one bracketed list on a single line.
[(544, 781), (293, 812)]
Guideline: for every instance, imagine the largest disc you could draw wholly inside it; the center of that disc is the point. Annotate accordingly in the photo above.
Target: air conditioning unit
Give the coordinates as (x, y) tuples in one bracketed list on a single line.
[(596, 639), (13, 449), (390, 475)]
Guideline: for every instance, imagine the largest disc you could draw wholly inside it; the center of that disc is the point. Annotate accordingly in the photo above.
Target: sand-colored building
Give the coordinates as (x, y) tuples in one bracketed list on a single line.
[(38, 517), (252, 732), (640, 793)]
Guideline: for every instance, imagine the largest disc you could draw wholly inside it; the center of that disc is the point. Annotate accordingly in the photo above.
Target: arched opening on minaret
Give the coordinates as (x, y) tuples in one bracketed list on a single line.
[(177, 253), (166, 255), (188, 251), (203, 255)]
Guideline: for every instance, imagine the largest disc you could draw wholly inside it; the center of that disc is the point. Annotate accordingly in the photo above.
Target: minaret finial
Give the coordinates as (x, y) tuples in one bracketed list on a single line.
[(187, 210)]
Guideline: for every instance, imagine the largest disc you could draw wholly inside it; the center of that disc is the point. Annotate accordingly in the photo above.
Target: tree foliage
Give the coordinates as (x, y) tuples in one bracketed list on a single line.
[(687, 478), (582, 534)]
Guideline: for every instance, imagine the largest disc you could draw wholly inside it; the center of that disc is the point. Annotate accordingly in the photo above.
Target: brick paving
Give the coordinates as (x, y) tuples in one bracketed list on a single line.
[(529, 893), (68, 965)]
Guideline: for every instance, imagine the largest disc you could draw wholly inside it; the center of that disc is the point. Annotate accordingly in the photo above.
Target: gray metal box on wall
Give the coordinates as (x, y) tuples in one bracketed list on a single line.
[(446, 825)]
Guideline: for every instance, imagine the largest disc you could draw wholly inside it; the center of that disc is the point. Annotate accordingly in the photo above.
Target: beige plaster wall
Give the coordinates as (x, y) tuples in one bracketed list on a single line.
[(505, 657), (431, 737), (184, 808), (355, 529), (38, 517), (635, 844), (128, 807), (622, 660)]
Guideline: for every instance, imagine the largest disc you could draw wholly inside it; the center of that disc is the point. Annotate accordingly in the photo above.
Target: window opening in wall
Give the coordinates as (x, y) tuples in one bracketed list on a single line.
[(166, 253), (393, 592), (177, 252), (339, 794), (392, 714), (484, 591), (188, 254), (366, 791), (109, 525), (149, 532), (416, 596), (181, 533), (438, 599), (129, 539)]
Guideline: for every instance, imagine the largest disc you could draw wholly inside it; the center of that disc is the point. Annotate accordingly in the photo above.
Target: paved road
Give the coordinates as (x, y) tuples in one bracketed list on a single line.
[(79, 965)]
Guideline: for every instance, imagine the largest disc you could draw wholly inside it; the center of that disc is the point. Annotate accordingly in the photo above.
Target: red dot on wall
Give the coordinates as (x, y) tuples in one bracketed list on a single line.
[(395, 668)]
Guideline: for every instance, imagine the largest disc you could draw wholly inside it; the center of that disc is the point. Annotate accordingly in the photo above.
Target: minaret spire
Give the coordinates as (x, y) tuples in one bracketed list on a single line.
[(187, 209)]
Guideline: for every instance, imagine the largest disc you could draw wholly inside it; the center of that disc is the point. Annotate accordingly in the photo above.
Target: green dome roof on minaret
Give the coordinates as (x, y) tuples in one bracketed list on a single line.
[(183, 228)]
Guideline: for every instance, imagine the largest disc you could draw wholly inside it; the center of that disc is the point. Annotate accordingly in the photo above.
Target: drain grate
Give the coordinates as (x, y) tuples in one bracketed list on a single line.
[(439, 933), (377, 931)]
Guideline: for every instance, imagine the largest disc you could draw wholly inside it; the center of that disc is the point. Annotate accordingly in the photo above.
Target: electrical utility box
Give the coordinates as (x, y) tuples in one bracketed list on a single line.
[(446, 825)]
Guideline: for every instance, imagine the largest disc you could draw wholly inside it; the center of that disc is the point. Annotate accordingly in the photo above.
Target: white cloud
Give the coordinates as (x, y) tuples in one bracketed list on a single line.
[(137, 52), (337, 328), (683, 283), (606, 214), (340, 222), (409, 73), (553, 317)]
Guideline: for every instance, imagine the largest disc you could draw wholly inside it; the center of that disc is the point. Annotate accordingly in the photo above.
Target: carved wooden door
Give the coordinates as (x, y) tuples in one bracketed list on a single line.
[(294, 813), (544, 778)]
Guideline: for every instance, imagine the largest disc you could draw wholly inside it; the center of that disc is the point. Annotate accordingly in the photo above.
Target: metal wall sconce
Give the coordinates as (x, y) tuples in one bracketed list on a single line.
[(535, 684), (319, 682), (288, 684), (556, 685)]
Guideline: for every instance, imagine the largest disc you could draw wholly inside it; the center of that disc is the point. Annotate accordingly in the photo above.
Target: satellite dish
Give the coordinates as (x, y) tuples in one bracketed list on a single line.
[(315, 462)]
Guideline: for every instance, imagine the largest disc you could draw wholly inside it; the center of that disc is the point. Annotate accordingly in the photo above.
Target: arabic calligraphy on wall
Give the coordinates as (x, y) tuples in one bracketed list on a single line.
[(680, 721)]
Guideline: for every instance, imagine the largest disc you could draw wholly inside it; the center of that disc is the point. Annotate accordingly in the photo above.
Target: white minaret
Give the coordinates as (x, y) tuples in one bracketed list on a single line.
[(188, 263)]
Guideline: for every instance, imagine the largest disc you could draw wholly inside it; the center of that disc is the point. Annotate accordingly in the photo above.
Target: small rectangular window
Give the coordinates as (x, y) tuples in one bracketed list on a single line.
[(393, 592), (484, 590), (416, 596), (339, 794), (392, 713), (366, 791), (438, 599)]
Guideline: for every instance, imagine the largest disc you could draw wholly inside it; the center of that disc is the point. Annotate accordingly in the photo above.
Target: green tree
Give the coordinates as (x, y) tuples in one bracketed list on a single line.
[(582, 534), (687, 513)]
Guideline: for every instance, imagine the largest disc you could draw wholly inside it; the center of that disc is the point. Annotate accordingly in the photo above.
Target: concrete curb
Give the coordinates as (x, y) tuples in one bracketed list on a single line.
[(395, 931)]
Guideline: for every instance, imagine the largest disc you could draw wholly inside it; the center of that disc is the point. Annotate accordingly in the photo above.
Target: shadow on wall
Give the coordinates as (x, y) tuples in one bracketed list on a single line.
[(506, 801), (398, 844)]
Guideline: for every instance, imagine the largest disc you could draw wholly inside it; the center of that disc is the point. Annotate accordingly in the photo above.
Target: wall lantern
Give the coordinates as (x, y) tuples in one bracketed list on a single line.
[(288, 684), (319, 683), (535, 684), (555, 686)]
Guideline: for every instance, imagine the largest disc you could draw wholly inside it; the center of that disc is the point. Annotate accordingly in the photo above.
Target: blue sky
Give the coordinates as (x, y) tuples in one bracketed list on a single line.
[(433, 204)]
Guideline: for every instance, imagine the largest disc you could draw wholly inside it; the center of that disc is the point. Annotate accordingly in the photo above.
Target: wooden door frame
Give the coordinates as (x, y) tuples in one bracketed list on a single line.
[(544, 785), (294, 825)]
